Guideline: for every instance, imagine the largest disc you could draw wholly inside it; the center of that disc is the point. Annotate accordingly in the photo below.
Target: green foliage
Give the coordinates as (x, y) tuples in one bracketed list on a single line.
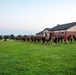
[(0, 37), (22, 58), (6, 36), (19, 36), (25, 36), (12, 36)]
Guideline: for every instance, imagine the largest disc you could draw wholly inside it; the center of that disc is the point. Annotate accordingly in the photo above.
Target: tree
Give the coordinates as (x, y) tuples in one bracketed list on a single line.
[(19, 36), (25, 36), (6, 37), (0, 37), (12, 36)]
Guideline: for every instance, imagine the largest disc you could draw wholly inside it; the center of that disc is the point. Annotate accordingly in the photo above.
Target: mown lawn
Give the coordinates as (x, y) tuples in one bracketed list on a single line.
[(22, 58)]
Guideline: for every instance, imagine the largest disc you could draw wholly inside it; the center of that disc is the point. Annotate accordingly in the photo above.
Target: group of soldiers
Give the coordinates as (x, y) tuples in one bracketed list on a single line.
[(47, 40)]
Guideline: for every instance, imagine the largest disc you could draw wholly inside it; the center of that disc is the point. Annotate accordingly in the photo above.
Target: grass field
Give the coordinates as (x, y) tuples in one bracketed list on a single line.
[(22, 58)]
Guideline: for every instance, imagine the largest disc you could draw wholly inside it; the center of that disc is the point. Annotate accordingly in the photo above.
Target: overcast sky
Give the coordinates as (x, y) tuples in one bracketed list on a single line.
[(32, 16)]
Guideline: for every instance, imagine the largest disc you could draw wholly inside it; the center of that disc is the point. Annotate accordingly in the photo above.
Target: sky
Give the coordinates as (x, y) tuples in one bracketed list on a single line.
[(28, 17)]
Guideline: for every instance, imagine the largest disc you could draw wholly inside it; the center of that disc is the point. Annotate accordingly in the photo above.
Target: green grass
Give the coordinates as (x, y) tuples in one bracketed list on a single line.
[(22, 58)]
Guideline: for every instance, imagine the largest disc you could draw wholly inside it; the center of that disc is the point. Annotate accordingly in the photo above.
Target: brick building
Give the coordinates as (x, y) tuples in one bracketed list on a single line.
[(63, 29)]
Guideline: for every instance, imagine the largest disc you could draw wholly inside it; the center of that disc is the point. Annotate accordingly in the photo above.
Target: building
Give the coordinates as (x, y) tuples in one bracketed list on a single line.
[(63, 29), (39, 34)]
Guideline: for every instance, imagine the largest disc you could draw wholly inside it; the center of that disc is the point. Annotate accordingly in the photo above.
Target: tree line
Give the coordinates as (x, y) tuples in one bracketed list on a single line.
[(11, 37)]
